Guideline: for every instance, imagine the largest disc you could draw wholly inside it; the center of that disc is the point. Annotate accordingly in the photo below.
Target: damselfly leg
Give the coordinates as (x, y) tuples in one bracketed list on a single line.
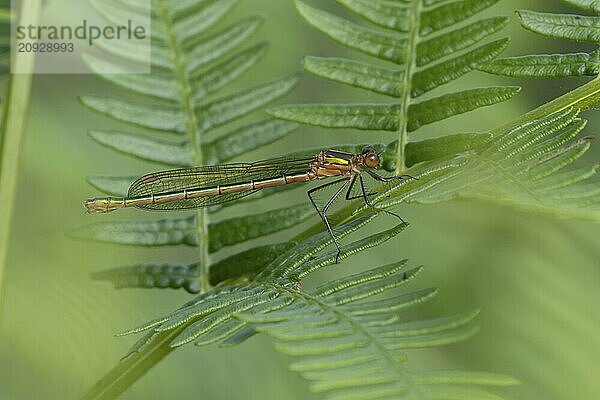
[(386, 179), (349, 182), (323, 212), (349, 195), (365, 196)]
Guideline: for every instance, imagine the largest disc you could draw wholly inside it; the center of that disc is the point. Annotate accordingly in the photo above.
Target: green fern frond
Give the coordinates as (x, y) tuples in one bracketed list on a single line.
[(586, 5), (523, 167), (419, 37), (339, 337), (182, 231), (182, 96), (247, 264), (243, 266), (423, 37), (349, 346), (172, 276), (572, 27), (352, 345)]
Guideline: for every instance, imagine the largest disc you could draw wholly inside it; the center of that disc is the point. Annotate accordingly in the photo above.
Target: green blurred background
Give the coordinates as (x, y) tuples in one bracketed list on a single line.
[(536, 278)]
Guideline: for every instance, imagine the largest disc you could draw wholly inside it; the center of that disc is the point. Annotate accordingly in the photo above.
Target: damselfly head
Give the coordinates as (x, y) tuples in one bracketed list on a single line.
[(371, 158)]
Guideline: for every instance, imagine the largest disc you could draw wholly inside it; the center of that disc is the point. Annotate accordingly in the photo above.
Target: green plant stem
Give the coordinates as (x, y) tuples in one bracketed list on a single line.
[(129, 370), (13, 127), (405, 95), (187, 103), (390, 359), (5, 15), (583, 98)]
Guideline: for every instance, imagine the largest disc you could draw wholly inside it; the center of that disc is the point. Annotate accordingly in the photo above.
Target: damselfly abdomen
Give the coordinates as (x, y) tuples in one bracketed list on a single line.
[(212, 185)]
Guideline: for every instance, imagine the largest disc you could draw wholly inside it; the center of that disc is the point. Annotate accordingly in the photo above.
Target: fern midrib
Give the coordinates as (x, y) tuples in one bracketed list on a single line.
[(124, 374), (508, 175), (583, 98), (187, 103), (5, 15), (355, 325), (130, 370), (405, 95)]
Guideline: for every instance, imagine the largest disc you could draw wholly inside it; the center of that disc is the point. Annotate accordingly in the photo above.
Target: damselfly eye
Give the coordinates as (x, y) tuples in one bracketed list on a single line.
[(372, 160)]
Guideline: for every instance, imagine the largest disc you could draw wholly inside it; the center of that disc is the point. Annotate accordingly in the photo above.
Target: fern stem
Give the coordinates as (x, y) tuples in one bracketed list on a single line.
[(405, 95), (13, 127), (6, 16), (130, 369), (357, 326), (583, 98), (187, 103)]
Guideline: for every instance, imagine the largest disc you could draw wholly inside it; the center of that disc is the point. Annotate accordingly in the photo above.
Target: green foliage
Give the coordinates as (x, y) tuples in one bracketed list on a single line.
[(14, 116), (182, 96), (173, 276), (5, 17), (349, 347), (188, 69), (524, 167), (428, 49), (561, 26), (177, 231), (520, 171), (341, 340)]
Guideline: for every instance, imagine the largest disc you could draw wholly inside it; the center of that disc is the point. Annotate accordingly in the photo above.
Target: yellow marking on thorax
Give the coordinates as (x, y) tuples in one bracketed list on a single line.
[(335, 160)]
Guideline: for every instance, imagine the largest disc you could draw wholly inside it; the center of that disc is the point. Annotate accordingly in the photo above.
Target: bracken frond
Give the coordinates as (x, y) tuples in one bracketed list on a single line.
[(428, 47), (348, 345), (184, 99), (527, 167)]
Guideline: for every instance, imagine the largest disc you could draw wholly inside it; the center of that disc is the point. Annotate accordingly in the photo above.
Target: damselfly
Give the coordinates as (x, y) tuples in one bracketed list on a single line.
[(212, 185)]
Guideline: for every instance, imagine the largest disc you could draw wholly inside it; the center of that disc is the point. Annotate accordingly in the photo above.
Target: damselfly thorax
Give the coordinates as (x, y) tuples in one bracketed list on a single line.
[(212, 185)]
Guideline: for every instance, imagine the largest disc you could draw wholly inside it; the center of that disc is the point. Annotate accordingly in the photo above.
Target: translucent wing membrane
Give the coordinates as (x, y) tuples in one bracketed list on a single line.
[(218, 175), (177, 180)]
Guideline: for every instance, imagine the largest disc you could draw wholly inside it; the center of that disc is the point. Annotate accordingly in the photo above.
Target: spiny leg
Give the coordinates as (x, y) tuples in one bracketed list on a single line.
[(380, 178), (324, 213), (384, 179), (348, 193), (327, 205), (368, 201)]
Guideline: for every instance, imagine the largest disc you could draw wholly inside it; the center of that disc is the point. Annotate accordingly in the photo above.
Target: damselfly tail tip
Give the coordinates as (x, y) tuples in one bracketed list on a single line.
[(99, 205)]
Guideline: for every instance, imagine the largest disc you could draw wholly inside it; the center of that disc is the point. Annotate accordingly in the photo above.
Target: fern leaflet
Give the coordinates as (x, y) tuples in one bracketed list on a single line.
[(190, 67), (423, 34), (350, 348), (561, 26)]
